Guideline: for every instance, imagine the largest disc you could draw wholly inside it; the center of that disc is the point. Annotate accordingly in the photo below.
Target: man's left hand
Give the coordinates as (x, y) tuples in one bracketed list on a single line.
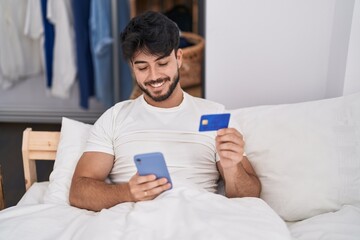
[(230, 147)]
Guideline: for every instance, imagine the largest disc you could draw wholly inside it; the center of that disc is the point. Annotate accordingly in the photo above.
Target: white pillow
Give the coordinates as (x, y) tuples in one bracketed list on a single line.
[(73, 138), (307, 155)]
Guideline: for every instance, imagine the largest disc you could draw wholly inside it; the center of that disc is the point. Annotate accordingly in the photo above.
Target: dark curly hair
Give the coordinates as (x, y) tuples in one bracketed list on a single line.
[(151, 32)]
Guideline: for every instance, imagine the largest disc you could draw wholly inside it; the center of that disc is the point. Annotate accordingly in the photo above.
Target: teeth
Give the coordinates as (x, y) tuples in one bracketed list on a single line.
[(157, 84)]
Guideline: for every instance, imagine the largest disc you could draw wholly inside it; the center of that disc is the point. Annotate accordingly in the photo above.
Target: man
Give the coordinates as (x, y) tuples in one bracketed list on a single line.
[(164, 119)]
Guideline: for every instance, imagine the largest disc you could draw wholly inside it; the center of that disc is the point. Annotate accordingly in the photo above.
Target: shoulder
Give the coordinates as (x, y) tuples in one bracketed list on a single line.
[(124, 106), (117, 111), (206, 105)]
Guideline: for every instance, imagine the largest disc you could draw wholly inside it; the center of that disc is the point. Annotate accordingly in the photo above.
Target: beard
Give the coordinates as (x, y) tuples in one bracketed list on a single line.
[(165, 96)]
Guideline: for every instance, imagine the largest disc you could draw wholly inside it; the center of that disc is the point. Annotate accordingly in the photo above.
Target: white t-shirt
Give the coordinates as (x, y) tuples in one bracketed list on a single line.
[(133, 127)]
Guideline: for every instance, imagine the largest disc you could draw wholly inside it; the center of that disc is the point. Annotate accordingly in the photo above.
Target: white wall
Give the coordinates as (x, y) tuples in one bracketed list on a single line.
[(352, 76), (269, 52)]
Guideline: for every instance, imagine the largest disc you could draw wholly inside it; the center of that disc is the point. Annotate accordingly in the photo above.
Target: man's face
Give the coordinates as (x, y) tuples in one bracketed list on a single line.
[(157, 77)]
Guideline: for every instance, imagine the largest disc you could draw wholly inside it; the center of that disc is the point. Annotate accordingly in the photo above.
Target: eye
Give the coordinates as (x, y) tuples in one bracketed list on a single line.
[(142, 68), (163, 64)]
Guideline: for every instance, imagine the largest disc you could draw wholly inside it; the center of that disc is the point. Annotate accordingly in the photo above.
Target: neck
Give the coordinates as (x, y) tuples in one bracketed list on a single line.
[(174, 100)]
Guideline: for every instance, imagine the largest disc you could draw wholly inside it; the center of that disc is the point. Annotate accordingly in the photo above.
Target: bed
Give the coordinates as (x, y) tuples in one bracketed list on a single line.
[(307, 156)]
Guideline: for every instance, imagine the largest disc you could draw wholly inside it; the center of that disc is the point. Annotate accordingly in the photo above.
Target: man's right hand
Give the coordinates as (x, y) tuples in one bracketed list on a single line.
[(90, 191), (147, 187)]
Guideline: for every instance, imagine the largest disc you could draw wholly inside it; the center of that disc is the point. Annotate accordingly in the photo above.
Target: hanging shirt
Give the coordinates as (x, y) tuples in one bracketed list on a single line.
[(64, 68), (49, 41), (34, 27), (102, 50), (20, 55), (81, 11), (126, 81), (33, 23)]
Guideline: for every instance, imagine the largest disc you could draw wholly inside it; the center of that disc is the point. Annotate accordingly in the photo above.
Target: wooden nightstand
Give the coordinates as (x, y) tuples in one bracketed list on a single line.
[(2, 197)]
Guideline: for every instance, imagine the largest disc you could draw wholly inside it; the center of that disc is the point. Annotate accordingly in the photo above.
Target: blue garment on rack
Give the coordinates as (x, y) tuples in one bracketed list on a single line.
[(81, 11), (102, 50), (49, 40), (126, 81)]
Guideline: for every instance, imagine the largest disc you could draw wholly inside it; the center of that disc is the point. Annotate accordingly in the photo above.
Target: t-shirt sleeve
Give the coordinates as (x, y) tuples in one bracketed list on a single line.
[(101, 134)]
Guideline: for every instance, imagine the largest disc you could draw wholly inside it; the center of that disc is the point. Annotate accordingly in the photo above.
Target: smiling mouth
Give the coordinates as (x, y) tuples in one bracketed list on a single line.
[(156, 83)]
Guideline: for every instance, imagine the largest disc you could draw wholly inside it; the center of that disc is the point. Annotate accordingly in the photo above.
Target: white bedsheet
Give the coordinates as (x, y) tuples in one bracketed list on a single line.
[(35, 194), (343, 225), (182, 213)]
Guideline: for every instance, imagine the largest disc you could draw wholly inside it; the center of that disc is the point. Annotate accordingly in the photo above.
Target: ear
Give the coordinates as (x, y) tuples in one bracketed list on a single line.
[(179, 57)]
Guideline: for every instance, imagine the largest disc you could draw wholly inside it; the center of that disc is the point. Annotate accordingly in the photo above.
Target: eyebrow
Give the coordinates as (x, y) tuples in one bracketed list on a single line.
[(139, 62), (159, 58)]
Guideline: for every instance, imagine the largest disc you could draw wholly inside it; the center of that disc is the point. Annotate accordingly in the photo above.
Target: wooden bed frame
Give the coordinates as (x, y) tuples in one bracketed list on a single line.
[(37, 145)]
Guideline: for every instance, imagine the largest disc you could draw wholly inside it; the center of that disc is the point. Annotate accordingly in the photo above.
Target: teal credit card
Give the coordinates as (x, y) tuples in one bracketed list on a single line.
[(214, 122)]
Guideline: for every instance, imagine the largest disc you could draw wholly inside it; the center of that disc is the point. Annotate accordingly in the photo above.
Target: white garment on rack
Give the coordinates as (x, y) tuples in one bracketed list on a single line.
[(20, 55), (34, 27), (64, 67)]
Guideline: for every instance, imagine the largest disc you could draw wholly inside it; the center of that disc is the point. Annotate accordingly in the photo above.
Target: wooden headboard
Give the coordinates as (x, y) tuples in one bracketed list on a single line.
[(37, 145)]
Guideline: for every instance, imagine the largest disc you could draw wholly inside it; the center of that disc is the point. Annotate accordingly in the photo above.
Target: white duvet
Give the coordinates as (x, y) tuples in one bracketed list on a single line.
[(182, 213)]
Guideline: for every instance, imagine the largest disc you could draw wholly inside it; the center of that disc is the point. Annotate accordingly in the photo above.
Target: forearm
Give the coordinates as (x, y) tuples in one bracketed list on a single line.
[(95, 195), (239, 183)]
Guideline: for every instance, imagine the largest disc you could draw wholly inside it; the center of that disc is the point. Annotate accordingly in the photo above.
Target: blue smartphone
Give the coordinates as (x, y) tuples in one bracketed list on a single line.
[(152, 163), (214, 122)]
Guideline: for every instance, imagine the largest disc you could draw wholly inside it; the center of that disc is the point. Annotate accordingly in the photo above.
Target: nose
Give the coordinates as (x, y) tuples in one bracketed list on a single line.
[(153, 74)]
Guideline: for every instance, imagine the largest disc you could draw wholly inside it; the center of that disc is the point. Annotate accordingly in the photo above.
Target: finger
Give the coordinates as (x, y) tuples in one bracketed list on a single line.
[(146, 190), (148, 194), (154, 192), (153, 184), (144, 179), (140, 179), (233, 138), (224, 131), (230, 155), (229, 132), (136, 185), (229, 146)]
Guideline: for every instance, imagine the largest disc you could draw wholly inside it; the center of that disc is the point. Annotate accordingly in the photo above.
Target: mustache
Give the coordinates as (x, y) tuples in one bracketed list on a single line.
[(159, 80)]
